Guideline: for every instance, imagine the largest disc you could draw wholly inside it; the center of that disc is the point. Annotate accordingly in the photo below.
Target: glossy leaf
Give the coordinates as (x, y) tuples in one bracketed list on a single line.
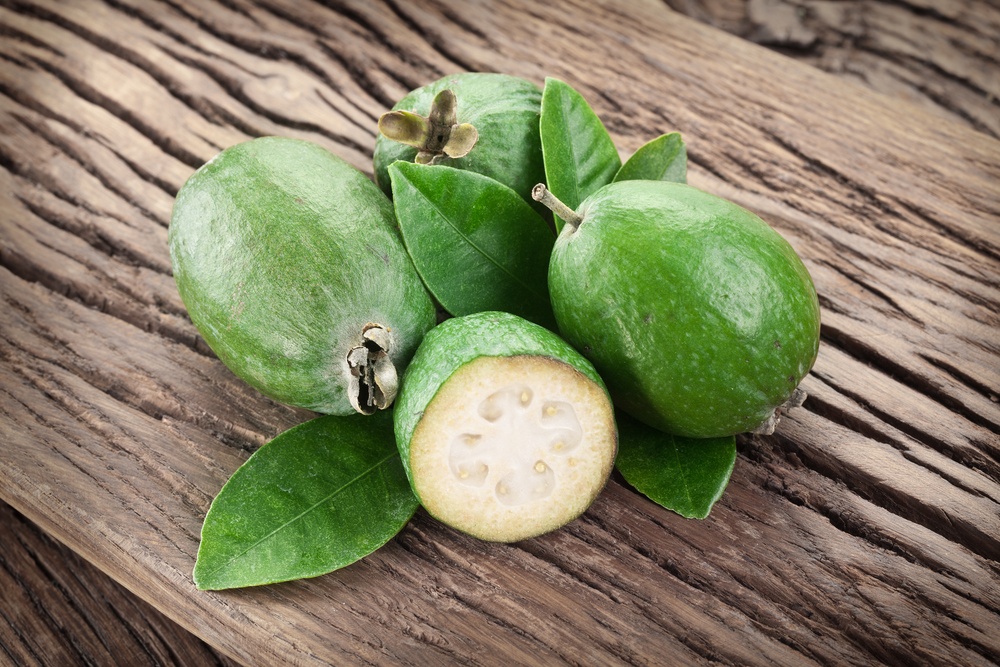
[(475, 242), (685, 475), (578, 152), (319, 496), (662, 159)]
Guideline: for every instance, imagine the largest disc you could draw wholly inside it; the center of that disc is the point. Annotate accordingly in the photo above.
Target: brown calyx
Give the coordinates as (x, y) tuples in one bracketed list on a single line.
[(436, 136)]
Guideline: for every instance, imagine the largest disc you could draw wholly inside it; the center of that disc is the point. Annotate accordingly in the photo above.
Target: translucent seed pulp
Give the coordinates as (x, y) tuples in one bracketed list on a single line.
[(522, 438)]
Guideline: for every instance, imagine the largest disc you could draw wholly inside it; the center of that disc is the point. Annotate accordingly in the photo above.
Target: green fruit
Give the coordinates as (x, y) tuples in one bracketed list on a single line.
[(291, 267), (699, 316), (487, 124), (505, 431)]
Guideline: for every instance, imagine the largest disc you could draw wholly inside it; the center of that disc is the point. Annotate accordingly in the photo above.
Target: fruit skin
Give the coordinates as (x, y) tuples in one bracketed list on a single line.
[(460, 340), (283, 253), (505, 111), (699, 316), (457, 341)]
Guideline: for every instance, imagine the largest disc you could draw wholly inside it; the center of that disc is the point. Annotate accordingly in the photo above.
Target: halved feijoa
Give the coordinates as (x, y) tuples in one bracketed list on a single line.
[(290, 265), (505, 431)]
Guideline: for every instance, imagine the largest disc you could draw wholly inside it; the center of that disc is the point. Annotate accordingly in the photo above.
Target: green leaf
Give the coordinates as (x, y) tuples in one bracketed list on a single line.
[(475, 242), (686, 475), (578, 152), (319, 496), (662, 159)]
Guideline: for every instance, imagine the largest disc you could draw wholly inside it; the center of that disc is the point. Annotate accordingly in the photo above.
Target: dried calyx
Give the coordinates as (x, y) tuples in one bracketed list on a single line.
[(796, 400), (373, 383), (436, 136)]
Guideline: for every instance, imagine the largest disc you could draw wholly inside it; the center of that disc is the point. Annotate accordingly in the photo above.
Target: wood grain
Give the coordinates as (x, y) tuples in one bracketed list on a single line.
[(58, 609), (942, 55), (866, 530)]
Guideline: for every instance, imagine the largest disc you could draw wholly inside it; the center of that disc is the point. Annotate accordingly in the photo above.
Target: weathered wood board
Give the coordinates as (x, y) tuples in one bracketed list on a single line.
[(943, 55), (867, 529), (58, 609)]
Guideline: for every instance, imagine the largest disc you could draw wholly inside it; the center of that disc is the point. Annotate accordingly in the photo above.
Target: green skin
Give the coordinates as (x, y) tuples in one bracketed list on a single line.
[(505, 111), (460, 340), (282, 253), (699, 316)]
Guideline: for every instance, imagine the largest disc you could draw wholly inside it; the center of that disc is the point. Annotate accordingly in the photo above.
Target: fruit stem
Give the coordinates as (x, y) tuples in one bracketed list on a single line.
[(540, 193)]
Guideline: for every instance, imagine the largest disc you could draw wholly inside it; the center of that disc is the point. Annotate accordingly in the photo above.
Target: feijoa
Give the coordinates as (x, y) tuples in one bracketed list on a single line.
[(291, 267), (505, 431), (700, 317), (483, 122)]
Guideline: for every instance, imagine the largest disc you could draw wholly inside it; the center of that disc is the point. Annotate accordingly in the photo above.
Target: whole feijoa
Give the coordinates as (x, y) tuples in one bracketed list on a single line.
[(505, 431), (700, 317), (483, 122), (291, 267)]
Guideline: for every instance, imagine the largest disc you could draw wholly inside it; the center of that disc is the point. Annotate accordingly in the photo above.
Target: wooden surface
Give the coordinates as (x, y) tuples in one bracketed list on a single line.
[(59, 610), (942, 55), (866, 530)]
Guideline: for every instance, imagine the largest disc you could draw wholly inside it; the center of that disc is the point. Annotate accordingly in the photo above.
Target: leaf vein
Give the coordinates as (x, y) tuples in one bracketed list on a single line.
[(324, 500), (482, 252)]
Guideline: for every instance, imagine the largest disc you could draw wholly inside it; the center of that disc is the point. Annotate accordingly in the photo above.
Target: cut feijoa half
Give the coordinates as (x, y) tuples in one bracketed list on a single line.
[(291, 267), (505, 431)]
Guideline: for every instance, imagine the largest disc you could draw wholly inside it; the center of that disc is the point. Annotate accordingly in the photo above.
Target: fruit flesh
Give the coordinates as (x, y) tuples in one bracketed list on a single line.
[(512, 447), (285, 256), (492, 376), (699, 316)]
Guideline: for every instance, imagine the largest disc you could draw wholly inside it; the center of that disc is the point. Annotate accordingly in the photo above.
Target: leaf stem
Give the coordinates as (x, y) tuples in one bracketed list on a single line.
[(540, 193)]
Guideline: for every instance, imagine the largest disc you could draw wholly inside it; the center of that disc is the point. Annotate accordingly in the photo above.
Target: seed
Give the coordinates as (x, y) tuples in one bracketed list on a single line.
[(540, 467)]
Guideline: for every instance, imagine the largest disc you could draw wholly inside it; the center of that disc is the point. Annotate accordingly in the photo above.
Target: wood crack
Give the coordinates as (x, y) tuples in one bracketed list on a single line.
[(10, 31), (437, 41), (913, 508), (148, 316), (92, 418), (234, 88), (26, 643), (49, 113), (157, 405), (168, 145), (46, 112), (303, 61), (69, 150), (355, 70), (854, 277), (924, 384), (959, 77), (990, 393), (874, 430)]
